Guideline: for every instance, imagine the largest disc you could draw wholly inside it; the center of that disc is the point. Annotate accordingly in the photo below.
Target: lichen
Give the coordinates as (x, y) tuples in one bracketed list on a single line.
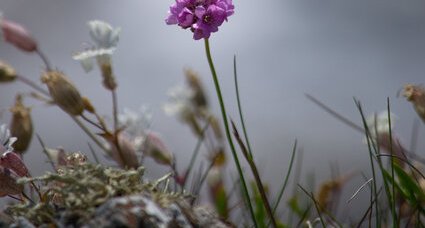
[(78, 191)]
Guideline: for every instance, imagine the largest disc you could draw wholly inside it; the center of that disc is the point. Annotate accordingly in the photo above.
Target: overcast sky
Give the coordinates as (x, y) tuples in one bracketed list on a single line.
[(332, 49)]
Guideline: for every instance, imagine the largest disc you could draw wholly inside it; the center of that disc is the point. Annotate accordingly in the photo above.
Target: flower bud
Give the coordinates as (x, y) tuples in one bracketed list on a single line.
[(63, 92), (108, 76), (125, 153), (21, 125), (57, 156), (88, 106), (199, 99), (216, 127), (156, 149), (7, 73), (17, 35), (215, 176)]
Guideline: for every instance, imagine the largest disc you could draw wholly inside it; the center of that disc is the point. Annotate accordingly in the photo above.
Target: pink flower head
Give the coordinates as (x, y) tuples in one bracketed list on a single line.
[(17, 35), (203, 17)]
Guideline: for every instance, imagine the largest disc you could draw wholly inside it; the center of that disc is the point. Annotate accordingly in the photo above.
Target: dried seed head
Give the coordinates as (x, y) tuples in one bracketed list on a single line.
[(7, 73), (218, 157), (416, 95), (326, 191), (215, 125), (329, 188), (63, 92), (21, 125), (199, 99)]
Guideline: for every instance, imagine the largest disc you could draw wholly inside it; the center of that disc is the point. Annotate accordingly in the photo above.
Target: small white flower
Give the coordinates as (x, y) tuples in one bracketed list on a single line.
[(180, 102), (5, 139), (86, 58), (103, 34), (136, 124), (105, 38)]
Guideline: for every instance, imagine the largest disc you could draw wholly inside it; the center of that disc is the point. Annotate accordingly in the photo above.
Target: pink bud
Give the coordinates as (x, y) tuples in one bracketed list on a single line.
[(17, 35), (396, 147), (14, 162), (125, 153), (156, 149)]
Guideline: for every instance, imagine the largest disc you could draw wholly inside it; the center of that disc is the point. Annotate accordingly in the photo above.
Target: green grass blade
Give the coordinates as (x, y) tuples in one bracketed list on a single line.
[(393, 206), (367, 132), (248, 144), (227, 129), (285, 182)]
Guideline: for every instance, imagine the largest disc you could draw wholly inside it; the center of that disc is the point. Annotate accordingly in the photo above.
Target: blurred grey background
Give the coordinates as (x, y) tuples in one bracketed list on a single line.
[(332, 49)]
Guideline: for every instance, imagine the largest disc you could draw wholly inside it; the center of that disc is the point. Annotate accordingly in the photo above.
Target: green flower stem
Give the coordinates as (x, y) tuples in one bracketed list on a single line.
[(226, 126)]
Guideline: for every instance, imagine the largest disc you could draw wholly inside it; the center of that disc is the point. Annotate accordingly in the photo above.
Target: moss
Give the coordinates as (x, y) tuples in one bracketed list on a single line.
[(75, 192)]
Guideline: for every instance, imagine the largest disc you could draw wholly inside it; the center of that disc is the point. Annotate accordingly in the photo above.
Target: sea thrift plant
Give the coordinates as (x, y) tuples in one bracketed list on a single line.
[(203, 17)]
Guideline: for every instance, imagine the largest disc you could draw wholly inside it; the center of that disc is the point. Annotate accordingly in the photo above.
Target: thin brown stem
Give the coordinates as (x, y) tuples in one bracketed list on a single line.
[(101, 122), (256, 174), (92, 123), (90, 134)]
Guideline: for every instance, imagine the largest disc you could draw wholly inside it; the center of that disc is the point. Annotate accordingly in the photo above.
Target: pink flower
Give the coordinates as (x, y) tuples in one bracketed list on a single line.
[(17, 35), (203, 17)]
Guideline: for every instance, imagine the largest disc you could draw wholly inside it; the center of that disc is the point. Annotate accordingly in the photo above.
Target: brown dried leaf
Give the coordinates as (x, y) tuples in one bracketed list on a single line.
[(8, 185), (13, 161)]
